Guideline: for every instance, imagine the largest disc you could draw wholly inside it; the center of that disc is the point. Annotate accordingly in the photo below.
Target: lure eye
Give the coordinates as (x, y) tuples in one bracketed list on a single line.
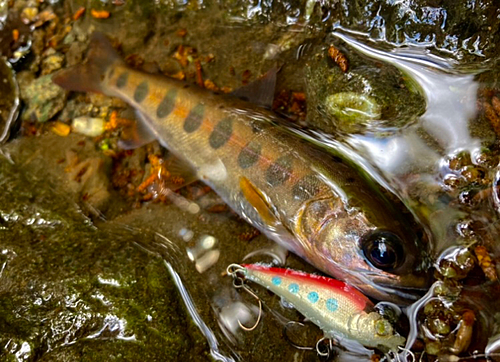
[(383, 250)]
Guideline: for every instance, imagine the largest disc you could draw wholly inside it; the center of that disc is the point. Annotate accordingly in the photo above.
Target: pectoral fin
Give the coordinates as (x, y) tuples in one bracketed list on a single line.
[(257, 199), (270, 217)]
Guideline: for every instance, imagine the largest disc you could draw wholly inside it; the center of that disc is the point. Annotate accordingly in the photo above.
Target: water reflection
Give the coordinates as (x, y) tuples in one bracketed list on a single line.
[(451, 100), (197, 319)]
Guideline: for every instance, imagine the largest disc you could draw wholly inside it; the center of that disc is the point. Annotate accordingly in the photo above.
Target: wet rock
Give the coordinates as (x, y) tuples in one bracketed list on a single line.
[(14, 36), (9, 102), (368, 96), (66, 283), (29, 14), (89, 126), (44, 99), (486, 158), (438, 326), (433, 348), (74, 108), (456, 263), (74, 55), (52, 62), (87, 177), (437, 25)]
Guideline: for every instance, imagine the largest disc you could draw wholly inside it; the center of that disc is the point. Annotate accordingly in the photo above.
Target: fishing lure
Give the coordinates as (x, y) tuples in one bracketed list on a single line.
[(342, 312)]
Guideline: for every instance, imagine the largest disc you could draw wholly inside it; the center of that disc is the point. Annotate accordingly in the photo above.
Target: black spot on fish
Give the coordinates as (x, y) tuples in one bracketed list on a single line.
[(279, 171), (221, 133), (306, 187), (186, 86), (194, 118), (249, 154), (141, 92), (122, 80), (167, 105), (351, 180)]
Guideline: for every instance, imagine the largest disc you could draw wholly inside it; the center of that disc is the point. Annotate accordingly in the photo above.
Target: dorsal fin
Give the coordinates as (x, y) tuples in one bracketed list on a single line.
[(260, 91)]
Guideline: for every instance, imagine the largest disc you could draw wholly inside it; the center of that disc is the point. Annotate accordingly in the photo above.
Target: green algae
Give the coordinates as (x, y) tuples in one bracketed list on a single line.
[(67, 284), (352, 108), (44, 99)]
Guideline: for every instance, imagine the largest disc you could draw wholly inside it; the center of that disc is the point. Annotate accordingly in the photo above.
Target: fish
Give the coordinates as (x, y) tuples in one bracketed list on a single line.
[(315, 203), (342, 312)]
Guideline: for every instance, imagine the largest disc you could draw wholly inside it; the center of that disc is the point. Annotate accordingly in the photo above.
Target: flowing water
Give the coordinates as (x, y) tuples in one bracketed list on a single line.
[(97, 263)]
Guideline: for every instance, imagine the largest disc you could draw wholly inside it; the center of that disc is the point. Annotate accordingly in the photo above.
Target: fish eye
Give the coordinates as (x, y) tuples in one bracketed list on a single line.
[(383, 250)]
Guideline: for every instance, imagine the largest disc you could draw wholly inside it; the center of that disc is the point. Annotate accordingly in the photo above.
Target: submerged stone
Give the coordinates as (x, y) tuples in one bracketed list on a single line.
[(44, 99), (70, 289), (89, 126)]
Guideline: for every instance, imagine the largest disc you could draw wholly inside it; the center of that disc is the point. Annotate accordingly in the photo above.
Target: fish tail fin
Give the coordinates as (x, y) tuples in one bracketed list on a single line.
[(90, 76)]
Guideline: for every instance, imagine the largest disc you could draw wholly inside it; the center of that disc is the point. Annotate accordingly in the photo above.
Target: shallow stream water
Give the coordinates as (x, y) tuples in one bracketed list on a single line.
[(96, 264)]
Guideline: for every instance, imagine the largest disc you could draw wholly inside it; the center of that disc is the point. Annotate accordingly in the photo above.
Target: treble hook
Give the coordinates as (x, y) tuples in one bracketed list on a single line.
[(248, 329), (239, 283), (287, 338), (329, 348), (406, 352), (307, 348)]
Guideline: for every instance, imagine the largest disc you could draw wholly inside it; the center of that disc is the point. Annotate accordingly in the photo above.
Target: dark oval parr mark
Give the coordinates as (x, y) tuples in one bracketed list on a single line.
[(249, 155), (141, 92), (279, 171), (194, 118), (122, 80), (306, 188), (221, 133), (167, 105)]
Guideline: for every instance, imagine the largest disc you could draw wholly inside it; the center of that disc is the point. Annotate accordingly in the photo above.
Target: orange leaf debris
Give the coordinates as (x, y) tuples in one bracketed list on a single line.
[(78, 14), (100, 14)]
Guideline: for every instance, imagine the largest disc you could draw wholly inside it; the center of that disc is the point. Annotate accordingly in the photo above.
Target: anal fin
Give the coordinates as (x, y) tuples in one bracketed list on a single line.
[(181, 174), (137, 135)]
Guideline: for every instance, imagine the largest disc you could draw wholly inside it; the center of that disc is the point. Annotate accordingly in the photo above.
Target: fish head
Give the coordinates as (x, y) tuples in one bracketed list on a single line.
[(385, 263)]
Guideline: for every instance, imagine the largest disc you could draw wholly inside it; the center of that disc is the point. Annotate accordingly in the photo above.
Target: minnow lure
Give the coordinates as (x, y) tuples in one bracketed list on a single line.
[(338, 309), (314, 203)]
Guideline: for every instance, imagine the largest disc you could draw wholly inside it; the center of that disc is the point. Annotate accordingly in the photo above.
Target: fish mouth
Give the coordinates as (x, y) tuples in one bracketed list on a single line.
[(403, 295), (402, 290)]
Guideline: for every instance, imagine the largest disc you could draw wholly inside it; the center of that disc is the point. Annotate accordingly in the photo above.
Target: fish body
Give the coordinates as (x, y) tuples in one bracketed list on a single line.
[(313, 203), (338, 309)]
